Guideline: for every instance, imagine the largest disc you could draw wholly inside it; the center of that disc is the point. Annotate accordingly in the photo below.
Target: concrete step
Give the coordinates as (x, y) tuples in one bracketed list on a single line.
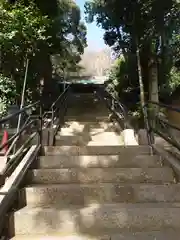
[(87, 117), (156, 235), (97, 150), (99, 175), (97, 219), (90, 139), (65, 161), (91, 125), (82, 129), (88, 112), (41, 195)]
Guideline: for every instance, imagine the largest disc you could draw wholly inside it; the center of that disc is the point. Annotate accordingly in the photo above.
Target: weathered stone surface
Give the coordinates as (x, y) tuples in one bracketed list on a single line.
[(97, 150), (156, 235), (142, 137), (105, 192), (129, 137), (73, 128), (65, 161), (76, 194), (91, 139), (97, 175), (97, 219)]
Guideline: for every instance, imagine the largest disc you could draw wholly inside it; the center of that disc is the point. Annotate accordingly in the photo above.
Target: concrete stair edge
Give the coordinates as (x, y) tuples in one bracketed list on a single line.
[(156, 235), (97, 175), (107, 218), (97, 161), (75, 194)]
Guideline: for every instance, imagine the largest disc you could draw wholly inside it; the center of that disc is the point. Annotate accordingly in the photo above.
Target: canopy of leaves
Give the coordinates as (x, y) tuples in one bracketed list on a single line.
[(150, 25), (38, 30)]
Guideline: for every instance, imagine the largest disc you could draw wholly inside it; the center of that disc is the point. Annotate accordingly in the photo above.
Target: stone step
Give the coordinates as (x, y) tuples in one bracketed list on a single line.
[(41, 195), (65, 161), (82, 129), (97, 219), (93, 125), (123, 151), (156, 235), (89, 110), (90, 139), (86, 118), (99, 175)]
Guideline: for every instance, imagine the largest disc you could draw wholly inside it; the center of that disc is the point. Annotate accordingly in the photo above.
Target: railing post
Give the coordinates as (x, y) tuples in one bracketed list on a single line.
[(147, 123), (41, 112), (52, 117), (40, 124), (113, 104)]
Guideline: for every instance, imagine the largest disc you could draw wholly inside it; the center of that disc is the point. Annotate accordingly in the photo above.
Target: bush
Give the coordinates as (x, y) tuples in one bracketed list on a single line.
[(7, 93)]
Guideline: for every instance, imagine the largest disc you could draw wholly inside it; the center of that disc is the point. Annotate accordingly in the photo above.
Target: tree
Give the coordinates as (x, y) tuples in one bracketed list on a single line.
[(38, 30), (141, 30)]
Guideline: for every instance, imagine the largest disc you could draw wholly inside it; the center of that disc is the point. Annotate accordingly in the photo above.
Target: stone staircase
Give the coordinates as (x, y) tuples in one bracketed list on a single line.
[(89, 190)]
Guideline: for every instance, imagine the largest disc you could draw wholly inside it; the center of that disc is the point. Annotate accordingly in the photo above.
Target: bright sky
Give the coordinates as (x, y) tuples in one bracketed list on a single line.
[(94, 34)]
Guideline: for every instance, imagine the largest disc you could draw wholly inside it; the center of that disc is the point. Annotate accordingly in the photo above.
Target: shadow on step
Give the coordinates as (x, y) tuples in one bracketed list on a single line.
[(82, 134), (90, 212)]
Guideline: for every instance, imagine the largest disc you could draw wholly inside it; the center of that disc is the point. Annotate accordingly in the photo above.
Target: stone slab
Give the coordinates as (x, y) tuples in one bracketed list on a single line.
[(85, 194), (97, 219), (99, 175), (128, 160)]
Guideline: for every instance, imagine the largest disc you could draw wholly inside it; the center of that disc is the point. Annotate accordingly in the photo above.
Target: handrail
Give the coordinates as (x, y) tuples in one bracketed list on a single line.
[(60, 97), (59, 100), (18, 164), (14, 139), (16, 135), (156, 124), (116, 107), (53, 111), (164, 106), (10, 188), (7, 118)]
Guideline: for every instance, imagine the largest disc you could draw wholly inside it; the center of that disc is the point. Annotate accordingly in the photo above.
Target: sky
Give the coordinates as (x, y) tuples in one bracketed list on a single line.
[(94, 34)]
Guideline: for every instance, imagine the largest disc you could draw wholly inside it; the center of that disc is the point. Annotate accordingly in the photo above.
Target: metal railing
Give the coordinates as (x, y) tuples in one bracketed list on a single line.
[(26, 150), (32, 127), (57, 109), (116, 107), (158, 125)]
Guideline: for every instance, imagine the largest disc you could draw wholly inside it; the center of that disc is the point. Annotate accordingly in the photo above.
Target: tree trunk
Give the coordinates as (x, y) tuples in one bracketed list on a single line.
[(153, 82), (142, 94), (141, 85)]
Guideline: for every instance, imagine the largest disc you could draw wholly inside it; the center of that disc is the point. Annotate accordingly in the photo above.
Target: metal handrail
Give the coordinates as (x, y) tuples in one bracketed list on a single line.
[(60, 97), (24, 156), (54, 108), (24, 109), (37, 122), (152, 127), (116, 107), (17, 134), (175, 109), (14, 139)]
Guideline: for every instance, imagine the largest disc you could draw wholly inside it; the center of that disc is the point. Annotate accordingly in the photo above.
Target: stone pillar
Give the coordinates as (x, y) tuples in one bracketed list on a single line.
[(129, 137), (142, 137)]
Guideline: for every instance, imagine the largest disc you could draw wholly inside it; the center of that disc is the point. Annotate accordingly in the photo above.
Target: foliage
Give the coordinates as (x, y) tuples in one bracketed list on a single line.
[(172, 84), (117, 72), (38, 30), (150, 26), (23, 29), (7, 93)]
